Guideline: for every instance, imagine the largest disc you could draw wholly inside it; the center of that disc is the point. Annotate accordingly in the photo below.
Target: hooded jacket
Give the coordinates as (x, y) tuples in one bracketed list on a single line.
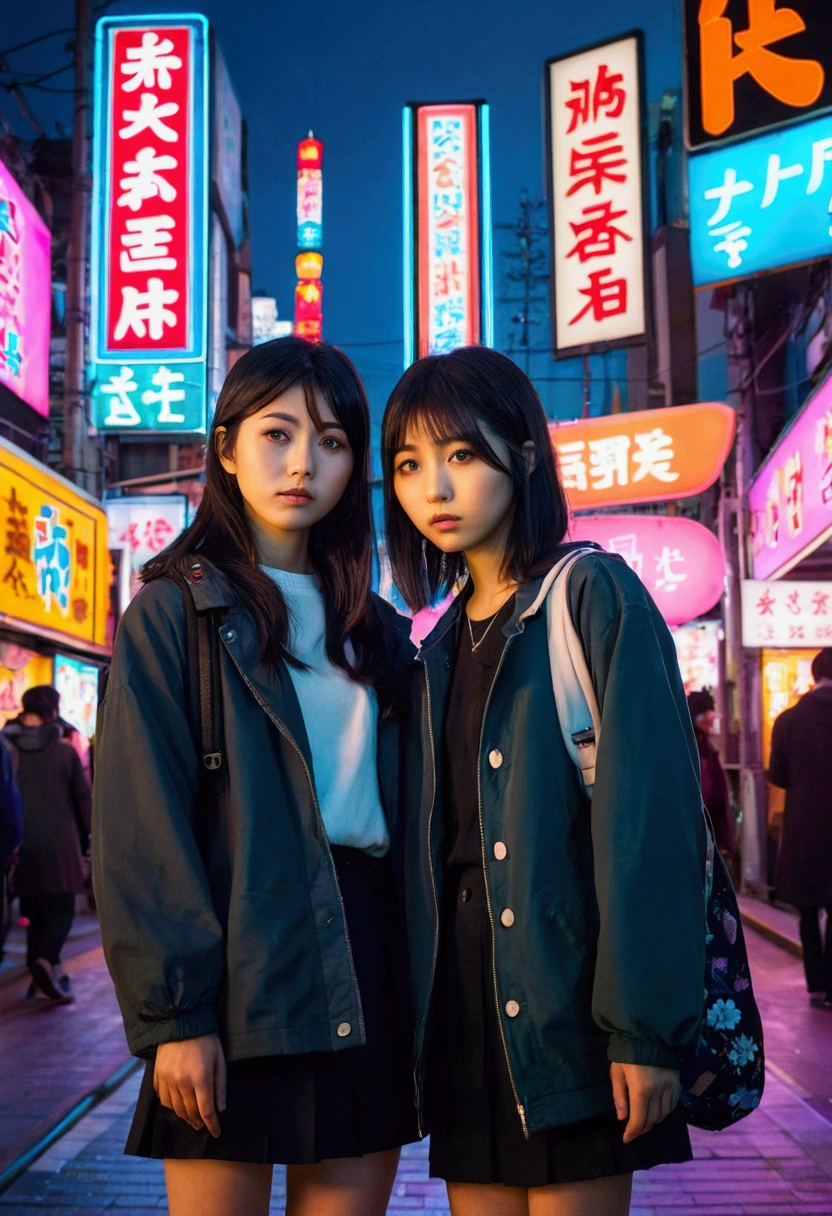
[(222, 916), (801, 745), (56, 811), (602, 958)]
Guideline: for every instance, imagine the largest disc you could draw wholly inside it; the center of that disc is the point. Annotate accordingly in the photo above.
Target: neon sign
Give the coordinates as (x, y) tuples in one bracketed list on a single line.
[(645, 456), (149, 323), (448, 291), (309, 263), (25, 288)]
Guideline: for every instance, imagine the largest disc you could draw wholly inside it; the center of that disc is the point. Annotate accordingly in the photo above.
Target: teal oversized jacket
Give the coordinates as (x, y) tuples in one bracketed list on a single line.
[(605, 957)]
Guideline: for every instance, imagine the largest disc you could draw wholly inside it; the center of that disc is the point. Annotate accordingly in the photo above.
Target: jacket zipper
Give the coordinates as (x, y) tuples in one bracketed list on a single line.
[(418, 1064), (520, 1108), (281, 726)]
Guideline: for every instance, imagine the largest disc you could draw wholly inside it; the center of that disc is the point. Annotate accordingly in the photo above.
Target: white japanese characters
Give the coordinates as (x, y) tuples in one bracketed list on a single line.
[(615, 460)]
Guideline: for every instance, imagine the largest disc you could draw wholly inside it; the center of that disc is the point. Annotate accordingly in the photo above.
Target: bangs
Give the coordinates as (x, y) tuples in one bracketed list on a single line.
[(433, 407)]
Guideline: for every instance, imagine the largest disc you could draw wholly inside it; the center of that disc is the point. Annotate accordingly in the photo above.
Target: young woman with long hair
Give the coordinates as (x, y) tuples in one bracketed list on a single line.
[(557, 950), (249, 918)]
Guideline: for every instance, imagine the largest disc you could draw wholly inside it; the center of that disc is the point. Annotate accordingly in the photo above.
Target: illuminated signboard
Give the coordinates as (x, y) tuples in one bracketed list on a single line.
[(77, 685), (228, 149), (597, 197), (762, 204), (680, 563), (150, 224), (793, 615), (309, 263), (447, 233), (753, 64), (697, 649), (25, 296), (791, 496), (143, 527), (55, 570), (645, 456)]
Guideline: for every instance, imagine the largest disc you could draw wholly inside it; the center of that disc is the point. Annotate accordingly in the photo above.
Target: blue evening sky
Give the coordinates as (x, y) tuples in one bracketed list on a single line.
[(345, 70)]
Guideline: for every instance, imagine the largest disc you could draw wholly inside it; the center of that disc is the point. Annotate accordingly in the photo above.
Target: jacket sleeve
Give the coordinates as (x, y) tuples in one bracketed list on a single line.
[(11, 808), (778, 766), (647, 823), (161, 936), (81, 800)]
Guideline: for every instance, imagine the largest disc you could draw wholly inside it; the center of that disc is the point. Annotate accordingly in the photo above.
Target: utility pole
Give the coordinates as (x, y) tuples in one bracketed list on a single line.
[(75, 414), (531, 232)]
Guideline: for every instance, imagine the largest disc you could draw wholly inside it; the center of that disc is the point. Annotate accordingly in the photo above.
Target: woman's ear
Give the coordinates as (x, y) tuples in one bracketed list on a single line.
[(227, 462), (530, 455)]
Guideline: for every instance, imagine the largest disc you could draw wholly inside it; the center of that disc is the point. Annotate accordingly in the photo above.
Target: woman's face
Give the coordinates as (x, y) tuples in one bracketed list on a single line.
[(451, 495), (706, 721), (290, 474)]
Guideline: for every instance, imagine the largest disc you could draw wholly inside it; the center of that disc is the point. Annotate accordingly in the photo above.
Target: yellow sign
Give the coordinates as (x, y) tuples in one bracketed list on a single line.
[(54, 564)]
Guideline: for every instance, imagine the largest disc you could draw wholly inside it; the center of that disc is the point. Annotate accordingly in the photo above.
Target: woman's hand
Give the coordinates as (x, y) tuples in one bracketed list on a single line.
[(643, 1095), (189, 1079)]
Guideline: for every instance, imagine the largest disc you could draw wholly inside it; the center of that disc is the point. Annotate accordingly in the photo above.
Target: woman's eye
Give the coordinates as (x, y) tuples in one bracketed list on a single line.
[(276, 435), (331, 443), (461, 456), (407, 466)]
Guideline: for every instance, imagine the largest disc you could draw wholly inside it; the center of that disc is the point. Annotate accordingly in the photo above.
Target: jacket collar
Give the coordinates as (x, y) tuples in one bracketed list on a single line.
[(208, 585), (525, 602)]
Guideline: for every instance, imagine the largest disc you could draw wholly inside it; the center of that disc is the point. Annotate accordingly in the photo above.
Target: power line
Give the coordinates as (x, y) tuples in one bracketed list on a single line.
[(21, 46)]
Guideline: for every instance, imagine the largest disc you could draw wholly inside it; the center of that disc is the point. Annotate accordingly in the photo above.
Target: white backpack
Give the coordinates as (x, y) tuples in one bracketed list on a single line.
[(577, 705)]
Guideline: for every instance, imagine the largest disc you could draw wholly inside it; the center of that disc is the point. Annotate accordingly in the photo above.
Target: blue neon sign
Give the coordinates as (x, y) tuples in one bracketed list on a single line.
[(762, 204)]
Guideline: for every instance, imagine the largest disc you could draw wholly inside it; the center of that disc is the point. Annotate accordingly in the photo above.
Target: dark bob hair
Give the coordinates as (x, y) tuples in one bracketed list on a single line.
[(340, 545), (450, 396)]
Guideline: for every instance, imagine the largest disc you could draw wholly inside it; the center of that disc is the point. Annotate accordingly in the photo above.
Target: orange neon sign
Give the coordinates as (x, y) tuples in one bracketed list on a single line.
[(647, 456), (793, 82)]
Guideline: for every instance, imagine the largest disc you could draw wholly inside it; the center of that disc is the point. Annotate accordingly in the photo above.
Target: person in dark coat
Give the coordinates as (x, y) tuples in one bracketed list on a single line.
[(11, 811), (56, 831), (800, 749), (714, 782)]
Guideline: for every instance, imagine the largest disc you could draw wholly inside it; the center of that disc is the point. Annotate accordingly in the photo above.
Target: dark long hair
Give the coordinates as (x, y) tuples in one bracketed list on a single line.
[(340, 544), (449, 396)]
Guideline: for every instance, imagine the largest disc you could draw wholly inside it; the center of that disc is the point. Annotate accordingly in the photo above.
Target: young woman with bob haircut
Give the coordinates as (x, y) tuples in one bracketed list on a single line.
[(557, 955), (250, 923)]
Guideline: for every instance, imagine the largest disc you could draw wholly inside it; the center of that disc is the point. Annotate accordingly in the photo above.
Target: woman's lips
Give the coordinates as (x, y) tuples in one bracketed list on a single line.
[(444, 523), (298, 497)]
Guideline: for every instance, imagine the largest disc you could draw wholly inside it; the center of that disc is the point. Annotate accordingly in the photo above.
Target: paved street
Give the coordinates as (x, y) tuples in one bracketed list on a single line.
[(776, 1163)]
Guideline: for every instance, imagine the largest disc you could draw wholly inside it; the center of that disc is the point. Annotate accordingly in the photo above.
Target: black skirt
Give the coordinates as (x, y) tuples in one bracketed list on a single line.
[(476, 1133), (297, 1110)]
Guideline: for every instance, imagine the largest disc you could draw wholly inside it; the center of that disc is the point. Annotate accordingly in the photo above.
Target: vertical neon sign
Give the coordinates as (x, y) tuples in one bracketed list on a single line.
[(149, 318), (309, 261), (447, 222)]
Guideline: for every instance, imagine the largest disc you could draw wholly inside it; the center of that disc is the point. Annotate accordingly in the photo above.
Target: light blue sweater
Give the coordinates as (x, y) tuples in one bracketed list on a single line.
[(341, 718)]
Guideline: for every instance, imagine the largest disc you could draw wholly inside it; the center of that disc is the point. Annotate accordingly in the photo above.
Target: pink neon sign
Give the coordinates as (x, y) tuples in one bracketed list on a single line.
[(25, 296), (791, 496), (680, 562)]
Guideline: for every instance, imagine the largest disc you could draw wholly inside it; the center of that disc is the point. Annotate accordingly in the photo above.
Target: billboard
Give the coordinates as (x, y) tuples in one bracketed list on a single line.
[(77, 684), (150, 224), (228, 149), (447, 228), (142, 527), (762, 204), (645, 456), (786, 614), (680, 562), (25, 296), (309, 263), (55, 570), (596, 155), (791, 497), (754, 64)]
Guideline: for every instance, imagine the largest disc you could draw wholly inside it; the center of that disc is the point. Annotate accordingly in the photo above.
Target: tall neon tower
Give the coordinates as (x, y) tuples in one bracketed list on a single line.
[(309, 263)]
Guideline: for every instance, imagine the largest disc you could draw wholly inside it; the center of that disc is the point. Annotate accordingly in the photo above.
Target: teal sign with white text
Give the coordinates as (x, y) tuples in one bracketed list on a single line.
[(149, 397)]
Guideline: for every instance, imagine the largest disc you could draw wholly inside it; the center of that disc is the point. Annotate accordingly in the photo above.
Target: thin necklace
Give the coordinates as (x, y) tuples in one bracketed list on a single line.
[(476, 645)]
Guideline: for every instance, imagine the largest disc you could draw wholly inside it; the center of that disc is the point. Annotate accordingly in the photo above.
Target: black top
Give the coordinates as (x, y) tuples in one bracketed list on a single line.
[(474, 672)]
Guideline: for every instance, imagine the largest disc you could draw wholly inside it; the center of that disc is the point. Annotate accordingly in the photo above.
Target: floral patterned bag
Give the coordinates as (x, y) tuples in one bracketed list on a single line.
[(722, 1076)]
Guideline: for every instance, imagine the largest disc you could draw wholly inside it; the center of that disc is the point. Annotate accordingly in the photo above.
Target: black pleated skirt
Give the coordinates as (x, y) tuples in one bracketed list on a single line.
[(297, 1110), (476, 1133)]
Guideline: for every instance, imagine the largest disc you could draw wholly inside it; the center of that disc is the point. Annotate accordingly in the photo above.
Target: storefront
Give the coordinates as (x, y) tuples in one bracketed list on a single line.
[(787, 608), (54, 589)]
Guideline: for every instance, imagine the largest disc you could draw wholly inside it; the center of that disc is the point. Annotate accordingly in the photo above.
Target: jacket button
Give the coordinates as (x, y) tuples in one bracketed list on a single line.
[(230, 635), (495, 758), (507, 917), (500, 851), (512, 1009), (466, 894), (344, 1030)]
